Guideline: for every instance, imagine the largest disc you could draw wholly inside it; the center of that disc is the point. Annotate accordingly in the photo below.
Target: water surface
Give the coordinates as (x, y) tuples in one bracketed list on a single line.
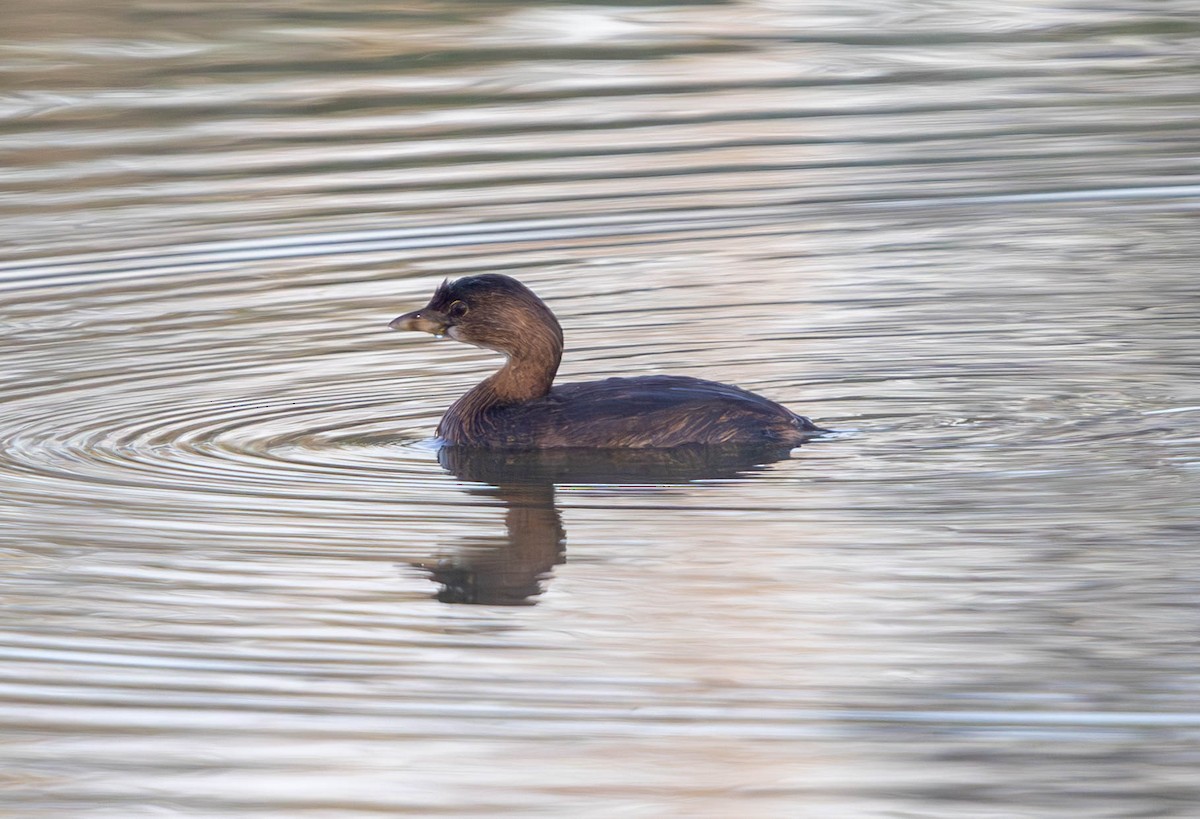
[(241, 579)]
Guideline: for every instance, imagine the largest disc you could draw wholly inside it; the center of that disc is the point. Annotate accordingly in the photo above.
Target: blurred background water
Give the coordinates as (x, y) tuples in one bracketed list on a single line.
[(962, 235)]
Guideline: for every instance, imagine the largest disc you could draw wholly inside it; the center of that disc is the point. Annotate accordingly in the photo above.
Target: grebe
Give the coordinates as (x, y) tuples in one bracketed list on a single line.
[(520, 407)]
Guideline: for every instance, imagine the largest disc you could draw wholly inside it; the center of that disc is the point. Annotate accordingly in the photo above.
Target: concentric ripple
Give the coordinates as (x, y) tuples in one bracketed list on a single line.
[(340, 442)]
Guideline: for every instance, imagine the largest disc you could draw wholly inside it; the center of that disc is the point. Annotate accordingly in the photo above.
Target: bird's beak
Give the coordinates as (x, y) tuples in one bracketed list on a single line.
[(424, 320)]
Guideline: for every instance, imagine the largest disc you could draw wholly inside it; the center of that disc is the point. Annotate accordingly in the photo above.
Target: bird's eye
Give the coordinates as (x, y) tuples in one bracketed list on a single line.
[(457, 310)]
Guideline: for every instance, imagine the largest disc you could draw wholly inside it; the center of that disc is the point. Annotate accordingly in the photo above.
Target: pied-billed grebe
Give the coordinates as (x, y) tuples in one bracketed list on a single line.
[(518, 408)]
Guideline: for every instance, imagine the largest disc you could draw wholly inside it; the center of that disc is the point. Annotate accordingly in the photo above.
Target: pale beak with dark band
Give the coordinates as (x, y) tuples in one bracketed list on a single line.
[(424, 320)]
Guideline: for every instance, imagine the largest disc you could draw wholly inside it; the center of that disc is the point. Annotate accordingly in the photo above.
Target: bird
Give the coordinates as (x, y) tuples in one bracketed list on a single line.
[(521, 407)]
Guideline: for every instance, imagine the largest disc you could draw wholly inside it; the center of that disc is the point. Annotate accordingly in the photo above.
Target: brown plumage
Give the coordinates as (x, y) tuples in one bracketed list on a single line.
[(519, 407)]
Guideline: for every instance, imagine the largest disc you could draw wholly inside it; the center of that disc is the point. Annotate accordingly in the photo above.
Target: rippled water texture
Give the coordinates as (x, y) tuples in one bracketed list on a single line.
[(963, 235)]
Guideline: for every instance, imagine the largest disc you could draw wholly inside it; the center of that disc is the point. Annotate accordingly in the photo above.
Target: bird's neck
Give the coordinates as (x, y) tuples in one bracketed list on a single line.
[(527, 375), (523, 377)]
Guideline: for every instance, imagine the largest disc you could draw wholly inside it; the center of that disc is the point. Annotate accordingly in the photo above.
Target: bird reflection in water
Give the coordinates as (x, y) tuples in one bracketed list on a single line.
[(511, 570)]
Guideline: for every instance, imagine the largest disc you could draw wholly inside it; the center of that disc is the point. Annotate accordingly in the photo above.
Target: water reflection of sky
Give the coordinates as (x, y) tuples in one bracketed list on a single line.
[(961, 236)]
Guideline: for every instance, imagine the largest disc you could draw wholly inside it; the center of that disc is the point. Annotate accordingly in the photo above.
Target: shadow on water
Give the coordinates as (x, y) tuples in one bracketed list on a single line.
[(511, 570)]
